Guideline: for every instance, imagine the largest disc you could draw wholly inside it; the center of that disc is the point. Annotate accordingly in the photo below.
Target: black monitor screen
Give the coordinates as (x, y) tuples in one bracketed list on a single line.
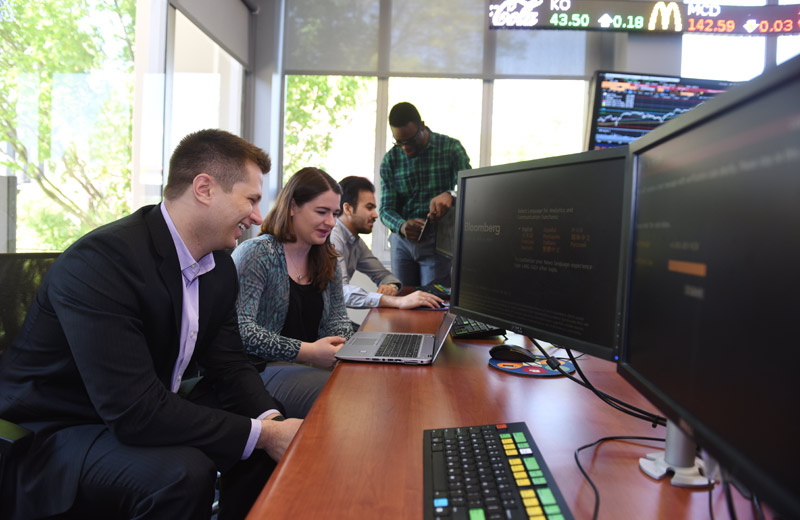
[(626, 106), (712, 335), (538, 248), (445, 233)]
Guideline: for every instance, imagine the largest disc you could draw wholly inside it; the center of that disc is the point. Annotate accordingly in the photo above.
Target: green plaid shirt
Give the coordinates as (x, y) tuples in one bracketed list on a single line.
[(408, 185)]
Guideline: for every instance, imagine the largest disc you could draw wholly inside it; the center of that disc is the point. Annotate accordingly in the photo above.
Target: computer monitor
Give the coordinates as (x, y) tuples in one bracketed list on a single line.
[(714, 299), (445, 233), (538, 248), (625, 106)]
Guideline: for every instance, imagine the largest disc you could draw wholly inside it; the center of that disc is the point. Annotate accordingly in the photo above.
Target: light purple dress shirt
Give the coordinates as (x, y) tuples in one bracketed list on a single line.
[(191, 270)]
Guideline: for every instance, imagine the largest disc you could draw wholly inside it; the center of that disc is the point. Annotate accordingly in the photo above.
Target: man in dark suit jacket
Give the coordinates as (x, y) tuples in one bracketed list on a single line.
[(122, 318)]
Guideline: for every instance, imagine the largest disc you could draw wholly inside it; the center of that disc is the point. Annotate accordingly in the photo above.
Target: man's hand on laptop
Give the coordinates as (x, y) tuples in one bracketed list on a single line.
[(321, 352), (412, 301)]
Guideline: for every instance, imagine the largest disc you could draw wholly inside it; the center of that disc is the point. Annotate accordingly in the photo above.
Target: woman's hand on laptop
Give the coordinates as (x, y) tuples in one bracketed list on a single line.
[(321, 352)]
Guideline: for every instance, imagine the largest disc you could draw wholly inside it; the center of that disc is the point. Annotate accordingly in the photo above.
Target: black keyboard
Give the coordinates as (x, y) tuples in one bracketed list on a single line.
[(486, 472), (436, 289), (467, 328), (400, 345)]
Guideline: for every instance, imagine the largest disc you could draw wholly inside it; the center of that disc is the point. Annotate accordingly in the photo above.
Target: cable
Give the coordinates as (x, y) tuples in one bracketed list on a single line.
[(653, 418), (759, 509), (726, 486), (595, 443), (612, 401), (710, 498)]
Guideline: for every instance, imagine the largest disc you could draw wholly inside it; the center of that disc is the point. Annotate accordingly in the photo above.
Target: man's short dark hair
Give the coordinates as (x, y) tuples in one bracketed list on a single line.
[(218, 153), (403, 113), (351, 187)]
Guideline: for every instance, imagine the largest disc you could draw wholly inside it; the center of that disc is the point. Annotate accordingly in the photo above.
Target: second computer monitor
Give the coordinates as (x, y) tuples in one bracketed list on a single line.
[(625, 106), (538, 248)]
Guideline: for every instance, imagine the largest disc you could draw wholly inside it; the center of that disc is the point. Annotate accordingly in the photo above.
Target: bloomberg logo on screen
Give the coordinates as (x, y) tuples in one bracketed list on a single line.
[(482, 228), (508, 15)]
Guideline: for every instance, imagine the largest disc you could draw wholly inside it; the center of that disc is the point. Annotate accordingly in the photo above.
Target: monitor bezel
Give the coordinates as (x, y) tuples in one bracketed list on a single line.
[(743, 469), (608, 352)]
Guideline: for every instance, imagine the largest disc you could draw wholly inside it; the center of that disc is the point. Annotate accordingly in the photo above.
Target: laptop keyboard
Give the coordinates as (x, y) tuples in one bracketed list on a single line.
[(486, 472), (467, 328), (400, 345)]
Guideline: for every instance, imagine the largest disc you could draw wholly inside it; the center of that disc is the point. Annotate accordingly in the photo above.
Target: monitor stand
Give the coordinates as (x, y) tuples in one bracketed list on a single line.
[(679, 459)]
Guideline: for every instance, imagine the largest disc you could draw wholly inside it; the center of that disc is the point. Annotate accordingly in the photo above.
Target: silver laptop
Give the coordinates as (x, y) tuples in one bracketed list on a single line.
[(397, 347)]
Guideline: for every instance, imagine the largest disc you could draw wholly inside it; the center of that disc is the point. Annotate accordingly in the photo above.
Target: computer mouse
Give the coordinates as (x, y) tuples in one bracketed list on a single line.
[(504, 352)]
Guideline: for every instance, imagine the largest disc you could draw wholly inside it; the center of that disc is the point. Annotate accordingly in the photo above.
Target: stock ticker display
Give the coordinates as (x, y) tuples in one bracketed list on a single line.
[(645, 17)]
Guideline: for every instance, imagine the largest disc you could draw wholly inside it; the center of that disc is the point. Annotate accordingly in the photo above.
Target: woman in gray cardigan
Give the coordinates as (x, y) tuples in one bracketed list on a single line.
[(290, 304)]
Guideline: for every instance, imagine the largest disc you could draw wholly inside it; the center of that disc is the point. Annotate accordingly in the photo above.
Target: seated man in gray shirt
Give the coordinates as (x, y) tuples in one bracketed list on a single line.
[(358, 214)]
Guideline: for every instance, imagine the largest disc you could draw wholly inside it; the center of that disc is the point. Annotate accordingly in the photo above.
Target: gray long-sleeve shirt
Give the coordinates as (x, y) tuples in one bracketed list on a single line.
[(356, 256)]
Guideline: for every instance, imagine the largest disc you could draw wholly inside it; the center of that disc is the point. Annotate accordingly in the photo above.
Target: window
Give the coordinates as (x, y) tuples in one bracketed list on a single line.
[(329, 123), (206, 85), (537, 118), (65, 137), (731, 58), (788, 46)]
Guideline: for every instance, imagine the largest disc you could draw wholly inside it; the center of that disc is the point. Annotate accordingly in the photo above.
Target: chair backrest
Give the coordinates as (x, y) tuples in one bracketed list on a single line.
[(20, 277)]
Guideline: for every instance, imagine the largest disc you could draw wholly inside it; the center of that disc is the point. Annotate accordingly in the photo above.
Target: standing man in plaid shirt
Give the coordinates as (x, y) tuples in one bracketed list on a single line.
[(417, 179)]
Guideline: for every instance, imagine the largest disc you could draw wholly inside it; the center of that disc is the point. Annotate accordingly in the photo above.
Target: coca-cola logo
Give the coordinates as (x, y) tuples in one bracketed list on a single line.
[(515, 13)]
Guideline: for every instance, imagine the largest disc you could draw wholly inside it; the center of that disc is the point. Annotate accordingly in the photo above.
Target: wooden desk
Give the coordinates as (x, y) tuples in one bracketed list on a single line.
[(359, 453)]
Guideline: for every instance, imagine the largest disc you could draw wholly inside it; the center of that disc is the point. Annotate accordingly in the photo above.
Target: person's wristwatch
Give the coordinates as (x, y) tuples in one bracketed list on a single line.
[(278, 418), (452, 193)]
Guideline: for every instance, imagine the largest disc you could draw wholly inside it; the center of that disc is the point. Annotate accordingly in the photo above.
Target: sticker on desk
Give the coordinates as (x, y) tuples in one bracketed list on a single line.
[(536, 368)]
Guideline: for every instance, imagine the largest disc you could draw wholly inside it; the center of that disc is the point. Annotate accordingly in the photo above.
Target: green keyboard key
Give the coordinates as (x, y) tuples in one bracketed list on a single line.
[(552, 510), (476, 514), (546, 496), (530, 463)]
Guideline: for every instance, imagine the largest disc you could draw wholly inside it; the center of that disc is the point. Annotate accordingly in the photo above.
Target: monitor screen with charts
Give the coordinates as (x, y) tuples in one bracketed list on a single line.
[(538, 248), (624, 106), (711, 335)]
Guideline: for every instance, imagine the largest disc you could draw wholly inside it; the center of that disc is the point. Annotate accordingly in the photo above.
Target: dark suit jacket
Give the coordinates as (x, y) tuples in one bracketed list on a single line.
[(97, 351)]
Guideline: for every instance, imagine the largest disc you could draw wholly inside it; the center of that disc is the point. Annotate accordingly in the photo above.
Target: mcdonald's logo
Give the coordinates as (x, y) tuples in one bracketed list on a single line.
[(666, 11)]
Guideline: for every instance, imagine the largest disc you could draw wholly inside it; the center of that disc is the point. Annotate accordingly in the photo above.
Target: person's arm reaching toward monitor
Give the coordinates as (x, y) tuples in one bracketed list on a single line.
[(411, 301), (389, 289)]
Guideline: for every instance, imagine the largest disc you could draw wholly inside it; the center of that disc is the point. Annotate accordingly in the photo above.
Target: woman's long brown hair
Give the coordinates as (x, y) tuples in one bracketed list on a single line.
[(303, 186)]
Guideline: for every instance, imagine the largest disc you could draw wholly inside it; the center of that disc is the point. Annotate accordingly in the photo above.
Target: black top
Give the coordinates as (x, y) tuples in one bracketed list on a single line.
[(304, 314)]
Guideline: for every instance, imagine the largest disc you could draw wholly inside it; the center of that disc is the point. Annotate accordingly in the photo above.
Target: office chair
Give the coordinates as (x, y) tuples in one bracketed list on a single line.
[(20, 277)]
